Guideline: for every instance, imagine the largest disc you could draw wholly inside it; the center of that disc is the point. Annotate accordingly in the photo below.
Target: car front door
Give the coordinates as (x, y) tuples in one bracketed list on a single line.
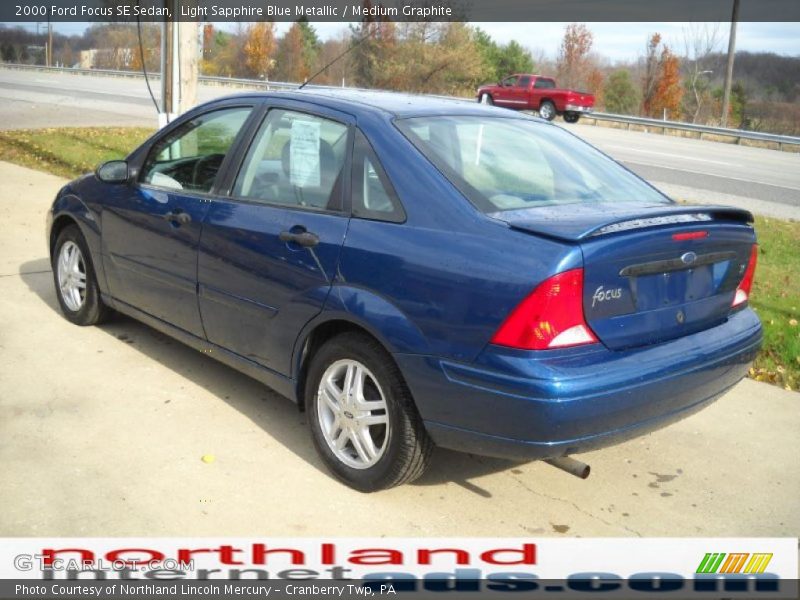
[(151, 229), (270, 247)]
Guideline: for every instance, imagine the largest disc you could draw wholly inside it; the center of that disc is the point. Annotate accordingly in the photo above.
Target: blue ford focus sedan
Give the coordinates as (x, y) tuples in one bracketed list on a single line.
[(416, 272)]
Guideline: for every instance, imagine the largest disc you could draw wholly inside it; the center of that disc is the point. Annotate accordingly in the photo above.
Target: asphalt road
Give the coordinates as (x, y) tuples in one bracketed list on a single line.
[(765, 181), (102, 430)]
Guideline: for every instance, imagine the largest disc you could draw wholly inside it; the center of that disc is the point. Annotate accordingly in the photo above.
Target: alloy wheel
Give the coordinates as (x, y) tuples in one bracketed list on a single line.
[(71, 271), (352, 414)]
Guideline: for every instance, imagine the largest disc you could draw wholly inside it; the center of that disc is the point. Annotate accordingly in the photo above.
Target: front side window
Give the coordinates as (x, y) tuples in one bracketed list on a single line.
[(296, 159), (510, 81), (189, 157), (514, 163)]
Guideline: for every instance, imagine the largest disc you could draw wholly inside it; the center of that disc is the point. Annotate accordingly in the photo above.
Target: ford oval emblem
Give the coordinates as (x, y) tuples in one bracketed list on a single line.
[(689, 258)]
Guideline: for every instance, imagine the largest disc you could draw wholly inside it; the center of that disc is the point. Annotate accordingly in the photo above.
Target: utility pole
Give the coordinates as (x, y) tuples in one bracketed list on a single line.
[(179, 65), (726, 96), (49, 42)]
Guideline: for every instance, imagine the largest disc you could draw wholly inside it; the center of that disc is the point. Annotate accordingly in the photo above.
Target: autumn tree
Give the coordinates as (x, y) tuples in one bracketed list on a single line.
[(374, 43), (621, 96), (700, 42), (151, 48), (258, 48), (573, 61), (662, 89), (290, 59)]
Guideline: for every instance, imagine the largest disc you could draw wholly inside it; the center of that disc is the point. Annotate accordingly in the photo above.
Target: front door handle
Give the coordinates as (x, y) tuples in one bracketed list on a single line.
[(301, 238), (178, 217)]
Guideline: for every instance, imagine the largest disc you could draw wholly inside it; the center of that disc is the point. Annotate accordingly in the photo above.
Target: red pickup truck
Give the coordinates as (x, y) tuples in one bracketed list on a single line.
[(534, 92)]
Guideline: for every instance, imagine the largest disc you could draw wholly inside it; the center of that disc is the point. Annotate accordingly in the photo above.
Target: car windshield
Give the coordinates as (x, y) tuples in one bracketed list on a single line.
[(502, 163)]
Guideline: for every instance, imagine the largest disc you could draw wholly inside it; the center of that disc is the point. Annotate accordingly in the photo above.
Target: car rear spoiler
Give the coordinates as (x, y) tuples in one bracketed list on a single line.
[(576, 222)]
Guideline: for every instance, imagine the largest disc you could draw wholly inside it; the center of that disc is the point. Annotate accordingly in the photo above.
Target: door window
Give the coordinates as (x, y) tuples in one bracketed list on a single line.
[(190, 157), (373, 194), (544, 84), (295, 159), (510, 81), (523, 81)]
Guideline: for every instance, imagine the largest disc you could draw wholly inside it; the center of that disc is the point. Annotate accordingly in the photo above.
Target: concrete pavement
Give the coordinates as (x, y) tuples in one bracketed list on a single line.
[(102, 431)]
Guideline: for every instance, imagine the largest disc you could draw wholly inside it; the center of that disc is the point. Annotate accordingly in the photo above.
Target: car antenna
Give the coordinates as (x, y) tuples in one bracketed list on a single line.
[(352, 47)]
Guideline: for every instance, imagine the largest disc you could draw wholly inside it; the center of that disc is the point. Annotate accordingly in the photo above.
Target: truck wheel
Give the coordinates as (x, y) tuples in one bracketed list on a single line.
[(572, 117), (486, 99), (547, 110)]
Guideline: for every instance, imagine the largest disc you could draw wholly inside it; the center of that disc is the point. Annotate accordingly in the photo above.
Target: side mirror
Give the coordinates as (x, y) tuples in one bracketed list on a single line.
[(113, 171)]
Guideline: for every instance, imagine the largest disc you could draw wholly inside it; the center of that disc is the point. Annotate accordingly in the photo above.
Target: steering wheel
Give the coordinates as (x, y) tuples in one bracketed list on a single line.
[(205, 171)]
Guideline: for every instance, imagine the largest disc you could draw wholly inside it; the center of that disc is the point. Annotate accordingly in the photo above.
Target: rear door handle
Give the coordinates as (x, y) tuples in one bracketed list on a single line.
[(178, 217), (301, 238)]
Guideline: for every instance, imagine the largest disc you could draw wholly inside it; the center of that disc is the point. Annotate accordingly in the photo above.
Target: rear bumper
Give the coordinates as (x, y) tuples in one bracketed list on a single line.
[(524, 405), (577, 108)]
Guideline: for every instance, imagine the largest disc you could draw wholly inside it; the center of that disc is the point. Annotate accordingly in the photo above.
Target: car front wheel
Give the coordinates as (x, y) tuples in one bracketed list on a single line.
[(76, 284), (363, 420), (486, 99)]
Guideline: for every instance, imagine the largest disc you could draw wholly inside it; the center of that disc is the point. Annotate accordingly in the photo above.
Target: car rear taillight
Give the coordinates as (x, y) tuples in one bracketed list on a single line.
[(550, 317), (743, 289)]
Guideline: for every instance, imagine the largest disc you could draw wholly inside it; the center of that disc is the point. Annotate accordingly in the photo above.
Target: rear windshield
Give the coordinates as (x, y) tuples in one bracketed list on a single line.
[(509, 164)]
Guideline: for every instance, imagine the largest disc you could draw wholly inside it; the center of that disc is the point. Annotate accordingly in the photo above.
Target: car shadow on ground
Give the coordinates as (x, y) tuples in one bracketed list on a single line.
[(283, 421)]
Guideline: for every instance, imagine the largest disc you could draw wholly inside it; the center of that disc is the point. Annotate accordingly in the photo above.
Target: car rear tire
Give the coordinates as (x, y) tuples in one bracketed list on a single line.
[(572, 117), (547, 110), (486, 99), (363, 420), (75, 280)]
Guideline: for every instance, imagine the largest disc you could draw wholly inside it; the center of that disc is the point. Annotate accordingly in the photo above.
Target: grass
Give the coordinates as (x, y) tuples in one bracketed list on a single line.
[(775, 295), (776, 299), (69, 152)]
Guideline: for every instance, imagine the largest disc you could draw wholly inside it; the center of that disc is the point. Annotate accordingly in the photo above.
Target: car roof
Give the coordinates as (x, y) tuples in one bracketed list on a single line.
[(396, 104)]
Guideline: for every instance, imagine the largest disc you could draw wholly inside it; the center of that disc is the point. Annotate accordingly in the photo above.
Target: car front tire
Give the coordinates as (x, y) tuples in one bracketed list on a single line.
[(363, 420), (486, 99), (75, 280)]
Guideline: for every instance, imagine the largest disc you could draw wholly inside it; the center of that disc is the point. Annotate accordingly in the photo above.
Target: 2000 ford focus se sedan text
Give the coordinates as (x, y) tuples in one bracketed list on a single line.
[(416, 272)]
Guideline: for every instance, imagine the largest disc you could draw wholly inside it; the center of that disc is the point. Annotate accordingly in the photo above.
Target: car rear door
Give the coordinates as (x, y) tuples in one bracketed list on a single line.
[(270, 246), (151, 229)]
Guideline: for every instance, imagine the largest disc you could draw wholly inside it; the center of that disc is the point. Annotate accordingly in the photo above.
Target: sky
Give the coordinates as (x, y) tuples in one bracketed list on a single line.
[(615, 41)]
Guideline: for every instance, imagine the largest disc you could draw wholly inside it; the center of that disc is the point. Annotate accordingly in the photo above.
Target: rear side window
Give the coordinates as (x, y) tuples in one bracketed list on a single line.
[(524, 81), (544, 84), (189, 157), (373, 194), (502, 163), (296, 159)]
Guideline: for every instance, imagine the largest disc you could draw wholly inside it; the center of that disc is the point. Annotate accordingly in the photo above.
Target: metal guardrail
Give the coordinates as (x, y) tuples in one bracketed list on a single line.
[(254, 83), (737, 134)]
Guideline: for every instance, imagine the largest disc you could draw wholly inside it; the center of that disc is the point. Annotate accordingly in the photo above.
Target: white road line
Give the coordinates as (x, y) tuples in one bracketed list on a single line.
[(681, 156), (705, 174)]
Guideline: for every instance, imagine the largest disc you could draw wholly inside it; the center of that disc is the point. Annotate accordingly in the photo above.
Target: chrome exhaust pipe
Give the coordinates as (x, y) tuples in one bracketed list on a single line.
[(571, 466)]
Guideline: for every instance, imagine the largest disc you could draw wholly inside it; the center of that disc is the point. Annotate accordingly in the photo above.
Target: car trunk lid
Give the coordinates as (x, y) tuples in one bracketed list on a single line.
[(650, 274)]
